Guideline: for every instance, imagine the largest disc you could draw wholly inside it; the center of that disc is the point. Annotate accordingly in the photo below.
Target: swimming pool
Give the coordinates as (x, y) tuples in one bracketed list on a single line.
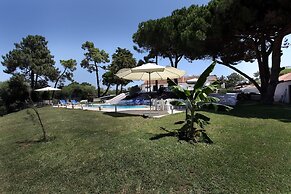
[(111, 106), (122, 106)]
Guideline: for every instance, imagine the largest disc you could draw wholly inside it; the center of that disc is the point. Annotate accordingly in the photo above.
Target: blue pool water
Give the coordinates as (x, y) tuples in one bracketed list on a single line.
[(118, 106)]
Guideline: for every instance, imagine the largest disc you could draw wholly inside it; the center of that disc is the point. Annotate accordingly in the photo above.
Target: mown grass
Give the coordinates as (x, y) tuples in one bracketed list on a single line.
[(94, 152)]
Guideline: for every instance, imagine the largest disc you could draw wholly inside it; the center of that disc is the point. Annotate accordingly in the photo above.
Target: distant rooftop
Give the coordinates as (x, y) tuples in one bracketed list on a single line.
[(285, 77), (183, 79)]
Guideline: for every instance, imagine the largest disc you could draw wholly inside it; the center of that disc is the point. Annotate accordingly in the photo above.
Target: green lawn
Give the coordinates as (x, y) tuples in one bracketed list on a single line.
[(94, 152)]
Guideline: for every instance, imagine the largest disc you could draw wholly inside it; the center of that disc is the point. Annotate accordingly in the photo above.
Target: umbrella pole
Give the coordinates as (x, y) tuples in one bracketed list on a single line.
[(150, 82), (150, 94)]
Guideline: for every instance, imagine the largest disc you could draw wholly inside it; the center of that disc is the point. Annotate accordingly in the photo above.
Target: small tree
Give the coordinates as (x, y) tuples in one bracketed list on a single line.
[(31, 105), (67, 73), (94, 57), (194, 127), (69, 68)]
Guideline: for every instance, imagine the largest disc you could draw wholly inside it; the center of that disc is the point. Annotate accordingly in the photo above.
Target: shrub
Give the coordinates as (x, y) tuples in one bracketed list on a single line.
[(194, 127)]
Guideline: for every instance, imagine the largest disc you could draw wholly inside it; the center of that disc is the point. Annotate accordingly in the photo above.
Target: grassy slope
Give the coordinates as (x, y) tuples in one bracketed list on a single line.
[(94, 152)]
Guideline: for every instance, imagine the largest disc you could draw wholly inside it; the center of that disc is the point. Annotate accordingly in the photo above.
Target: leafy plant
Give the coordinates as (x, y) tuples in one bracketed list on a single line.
[(196, 99)]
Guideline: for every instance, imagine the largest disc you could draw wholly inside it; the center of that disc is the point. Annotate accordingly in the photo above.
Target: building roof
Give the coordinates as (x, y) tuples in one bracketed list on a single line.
[(285, 77), (183, 79)]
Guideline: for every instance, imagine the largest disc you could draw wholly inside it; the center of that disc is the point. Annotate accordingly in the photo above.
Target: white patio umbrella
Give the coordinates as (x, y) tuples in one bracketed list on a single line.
[(150, 71), (47, 89)]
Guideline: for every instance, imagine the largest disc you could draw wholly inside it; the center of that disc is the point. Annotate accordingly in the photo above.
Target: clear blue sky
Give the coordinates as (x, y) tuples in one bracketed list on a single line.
[(67, 24)]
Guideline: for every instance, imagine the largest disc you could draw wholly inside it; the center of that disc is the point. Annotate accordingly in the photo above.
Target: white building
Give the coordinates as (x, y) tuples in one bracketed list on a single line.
[(186, 82)]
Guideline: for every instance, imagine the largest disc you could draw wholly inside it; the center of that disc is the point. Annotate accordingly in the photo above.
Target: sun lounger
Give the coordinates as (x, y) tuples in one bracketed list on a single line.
[(74, 102), (63, 103), (138, 101)]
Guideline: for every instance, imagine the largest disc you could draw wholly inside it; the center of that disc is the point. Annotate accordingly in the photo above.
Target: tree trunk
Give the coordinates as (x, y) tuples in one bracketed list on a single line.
[(53, 94), (177, 60), (32, 79), (274, 77), (116, 89), (44, 138), (36, 80), (57, 81), (176, 65), (263, 64), (269, 96), (192, 129), (192, 120), (97, 77), (241, 73), (41, 124), (107, 89), (264, 77)]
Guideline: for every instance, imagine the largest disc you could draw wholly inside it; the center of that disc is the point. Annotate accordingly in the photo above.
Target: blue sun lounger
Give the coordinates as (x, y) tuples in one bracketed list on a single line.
[(63, 103), (74, 102)]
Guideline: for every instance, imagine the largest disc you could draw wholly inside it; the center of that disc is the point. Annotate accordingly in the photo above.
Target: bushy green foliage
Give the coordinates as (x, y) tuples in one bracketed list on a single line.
[(13, 94), (196, 99), (285, 71), (134, 90), (233, 80), (3, 92), (77, 91)]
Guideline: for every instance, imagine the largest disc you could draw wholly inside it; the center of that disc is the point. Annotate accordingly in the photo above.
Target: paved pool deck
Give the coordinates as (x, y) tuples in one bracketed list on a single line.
[(145, 112)]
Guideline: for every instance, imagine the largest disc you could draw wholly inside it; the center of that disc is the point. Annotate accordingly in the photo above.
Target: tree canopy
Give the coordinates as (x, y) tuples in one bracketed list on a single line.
[(122, 58), (167, 36), (31, 58), (227, 31)]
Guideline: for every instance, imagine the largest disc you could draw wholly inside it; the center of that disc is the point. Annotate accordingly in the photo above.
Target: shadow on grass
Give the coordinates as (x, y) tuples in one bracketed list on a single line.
[(28, 142), (120, 114), (182, 135), (162, 135), (278, 112)]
